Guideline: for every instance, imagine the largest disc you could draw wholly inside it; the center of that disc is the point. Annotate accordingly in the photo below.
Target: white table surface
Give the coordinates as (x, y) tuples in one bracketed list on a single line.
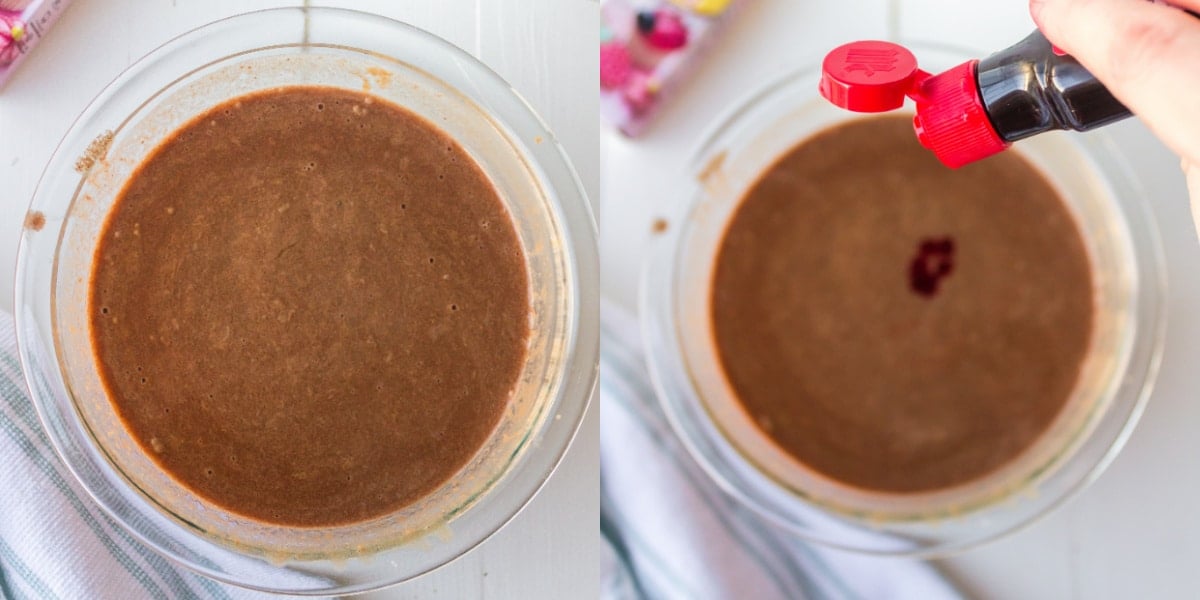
[(545, 48), (1136, 532)]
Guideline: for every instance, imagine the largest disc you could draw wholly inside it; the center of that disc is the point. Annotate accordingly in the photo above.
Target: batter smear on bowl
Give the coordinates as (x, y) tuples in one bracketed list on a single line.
[(895, 325), (310, 306)]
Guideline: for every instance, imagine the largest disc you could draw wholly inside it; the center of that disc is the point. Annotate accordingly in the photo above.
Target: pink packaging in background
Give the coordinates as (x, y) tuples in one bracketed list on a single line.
[(647, 47), (23, 23)]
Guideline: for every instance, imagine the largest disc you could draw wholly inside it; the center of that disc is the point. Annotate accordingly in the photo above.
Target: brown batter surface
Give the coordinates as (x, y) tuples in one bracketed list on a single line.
[(894, 324), (309, 306)]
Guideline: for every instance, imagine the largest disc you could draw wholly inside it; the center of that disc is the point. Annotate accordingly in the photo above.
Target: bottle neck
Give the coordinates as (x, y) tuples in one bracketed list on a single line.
[(1028, 89)]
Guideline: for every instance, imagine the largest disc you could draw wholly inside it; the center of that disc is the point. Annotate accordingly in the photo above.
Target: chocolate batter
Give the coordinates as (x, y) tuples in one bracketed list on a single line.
[(310, 306), (896, 325)]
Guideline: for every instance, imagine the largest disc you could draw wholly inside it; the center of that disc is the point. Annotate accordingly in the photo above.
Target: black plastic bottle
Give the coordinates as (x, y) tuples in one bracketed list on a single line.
[(1030, 88)]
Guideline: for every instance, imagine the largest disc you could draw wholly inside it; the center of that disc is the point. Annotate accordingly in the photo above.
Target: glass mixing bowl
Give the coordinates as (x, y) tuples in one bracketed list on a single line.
[(350, 50), (1129, 279)]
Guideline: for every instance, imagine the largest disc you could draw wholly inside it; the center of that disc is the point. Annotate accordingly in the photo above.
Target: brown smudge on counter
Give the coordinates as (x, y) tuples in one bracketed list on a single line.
[(95, 152), (659, 226), (35, 220), (537, 139)]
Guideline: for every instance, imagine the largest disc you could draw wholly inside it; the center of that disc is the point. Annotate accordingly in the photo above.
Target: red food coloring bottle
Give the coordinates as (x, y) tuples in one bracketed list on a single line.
[(663, 29), (978, 108)]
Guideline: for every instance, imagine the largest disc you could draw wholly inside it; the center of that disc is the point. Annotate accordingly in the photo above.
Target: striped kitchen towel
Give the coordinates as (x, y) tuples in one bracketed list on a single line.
[(55, 542), (670, 533)]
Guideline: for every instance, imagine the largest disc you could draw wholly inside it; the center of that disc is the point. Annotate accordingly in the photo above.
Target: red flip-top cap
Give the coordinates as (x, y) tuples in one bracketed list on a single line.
[(875, 76), (869, 76)]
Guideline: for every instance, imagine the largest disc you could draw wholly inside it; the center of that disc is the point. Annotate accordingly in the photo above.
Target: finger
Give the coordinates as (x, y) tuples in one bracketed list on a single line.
[(1146, 54)]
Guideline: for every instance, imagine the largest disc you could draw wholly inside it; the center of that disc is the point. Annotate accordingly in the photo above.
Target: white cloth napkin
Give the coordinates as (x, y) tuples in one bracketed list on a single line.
[(55, 542), (671, 533)]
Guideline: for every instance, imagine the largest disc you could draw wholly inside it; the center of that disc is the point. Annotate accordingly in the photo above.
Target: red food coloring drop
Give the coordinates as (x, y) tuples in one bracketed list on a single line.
[(934, 261)]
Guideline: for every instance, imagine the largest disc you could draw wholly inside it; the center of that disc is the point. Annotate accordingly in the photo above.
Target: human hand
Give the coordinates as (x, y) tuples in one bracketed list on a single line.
[(1148, 55)]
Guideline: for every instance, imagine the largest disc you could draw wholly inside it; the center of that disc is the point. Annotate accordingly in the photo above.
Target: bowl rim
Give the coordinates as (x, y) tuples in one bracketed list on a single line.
[(668, 367), (566, 196)]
